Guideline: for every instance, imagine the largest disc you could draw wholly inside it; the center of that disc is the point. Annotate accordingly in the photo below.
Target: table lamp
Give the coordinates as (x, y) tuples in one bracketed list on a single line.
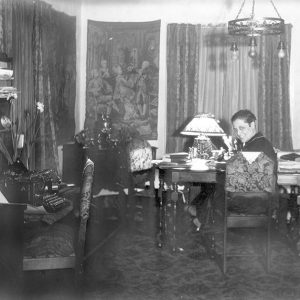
[(202, 126)]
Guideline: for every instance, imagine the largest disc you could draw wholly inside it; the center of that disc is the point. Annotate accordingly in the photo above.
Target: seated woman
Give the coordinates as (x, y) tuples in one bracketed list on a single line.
[(247, 139)]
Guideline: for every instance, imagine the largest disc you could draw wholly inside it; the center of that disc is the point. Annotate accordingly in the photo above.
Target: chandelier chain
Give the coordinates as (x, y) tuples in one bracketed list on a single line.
[(252, 12), (240, 10), (275, 8)]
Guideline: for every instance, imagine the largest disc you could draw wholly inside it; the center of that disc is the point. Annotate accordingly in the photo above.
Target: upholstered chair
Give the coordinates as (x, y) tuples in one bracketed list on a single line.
[(250, 187), (61, 244)]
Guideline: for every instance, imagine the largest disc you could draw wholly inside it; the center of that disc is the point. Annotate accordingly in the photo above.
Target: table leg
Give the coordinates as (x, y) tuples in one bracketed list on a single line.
[(293, 218), (160, 236)]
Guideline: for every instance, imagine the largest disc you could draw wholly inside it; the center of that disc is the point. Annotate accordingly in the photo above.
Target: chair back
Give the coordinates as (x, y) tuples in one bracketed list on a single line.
[(85, 203), (255, 176), (139, 155)]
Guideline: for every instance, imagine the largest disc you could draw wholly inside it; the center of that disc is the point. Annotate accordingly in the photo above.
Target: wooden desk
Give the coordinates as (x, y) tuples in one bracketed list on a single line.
[(289, 183), (169, 180)]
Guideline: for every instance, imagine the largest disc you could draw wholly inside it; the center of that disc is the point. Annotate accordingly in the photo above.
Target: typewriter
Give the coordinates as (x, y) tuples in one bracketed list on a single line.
[(54, 202)]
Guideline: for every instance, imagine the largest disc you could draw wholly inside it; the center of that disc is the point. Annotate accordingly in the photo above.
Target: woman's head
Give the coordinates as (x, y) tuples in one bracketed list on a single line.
[(243, 123)]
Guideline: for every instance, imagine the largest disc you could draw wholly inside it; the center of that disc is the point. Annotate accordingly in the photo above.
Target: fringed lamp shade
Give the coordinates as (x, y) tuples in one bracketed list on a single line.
[(203, 126)]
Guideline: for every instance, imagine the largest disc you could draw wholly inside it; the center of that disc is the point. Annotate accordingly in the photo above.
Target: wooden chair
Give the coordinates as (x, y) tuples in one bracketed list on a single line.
[(138, 171), (61, 246), (249, 191)]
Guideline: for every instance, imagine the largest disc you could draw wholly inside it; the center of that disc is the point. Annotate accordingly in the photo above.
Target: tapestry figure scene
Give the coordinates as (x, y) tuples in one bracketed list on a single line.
[(123, 75)]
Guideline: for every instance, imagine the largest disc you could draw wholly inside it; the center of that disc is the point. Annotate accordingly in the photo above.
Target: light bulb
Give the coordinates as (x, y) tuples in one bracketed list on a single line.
[(235, 55), (235, 51), (281, 53), (281, 49), (252, 44), (252, 52)]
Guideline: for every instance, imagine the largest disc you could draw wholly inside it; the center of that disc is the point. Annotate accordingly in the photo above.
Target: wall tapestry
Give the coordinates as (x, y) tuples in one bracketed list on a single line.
[(122, 75)]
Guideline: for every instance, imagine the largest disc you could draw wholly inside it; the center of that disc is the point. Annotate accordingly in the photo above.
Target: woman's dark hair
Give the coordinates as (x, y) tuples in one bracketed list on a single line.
[(244, 114)]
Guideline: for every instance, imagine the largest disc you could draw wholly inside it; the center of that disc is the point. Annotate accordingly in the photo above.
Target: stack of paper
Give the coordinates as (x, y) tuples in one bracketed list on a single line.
[(180, 157), (288, 162), (6, 74), (8, 92)]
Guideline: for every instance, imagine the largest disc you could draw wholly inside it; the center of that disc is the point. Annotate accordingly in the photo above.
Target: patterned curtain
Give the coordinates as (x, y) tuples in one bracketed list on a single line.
[(274, 100), (22, 15), (203, 77), (182, 67), (44, 54), (54, 56), (6, 48)]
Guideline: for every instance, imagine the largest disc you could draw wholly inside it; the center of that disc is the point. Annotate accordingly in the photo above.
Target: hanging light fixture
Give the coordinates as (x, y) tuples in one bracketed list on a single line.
[(235, 50), (281, 49), (253, 26)]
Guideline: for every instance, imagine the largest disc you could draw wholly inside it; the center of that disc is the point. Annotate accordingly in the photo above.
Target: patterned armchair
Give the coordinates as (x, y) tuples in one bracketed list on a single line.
[(249, 192), (138, 171), (61, 244)]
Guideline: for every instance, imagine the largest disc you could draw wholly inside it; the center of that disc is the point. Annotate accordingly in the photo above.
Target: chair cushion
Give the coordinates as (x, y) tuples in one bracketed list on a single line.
[(140, 155), (49, 241), (242, 176), (249, 203)]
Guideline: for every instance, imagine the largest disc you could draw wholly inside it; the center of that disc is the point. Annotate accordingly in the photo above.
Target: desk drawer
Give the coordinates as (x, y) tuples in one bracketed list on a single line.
[(189, 176)]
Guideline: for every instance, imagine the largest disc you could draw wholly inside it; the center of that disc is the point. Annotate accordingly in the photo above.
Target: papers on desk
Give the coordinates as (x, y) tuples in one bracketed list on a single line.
[(165, 165), (6, 74), (288, 166), (199, 164), (174, 160)]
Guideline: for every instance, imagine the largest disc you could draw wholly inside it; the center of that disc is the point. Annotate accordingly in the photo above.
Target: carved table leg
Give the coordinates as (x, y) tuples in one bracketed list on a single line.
[(160, 236), (292, 217)]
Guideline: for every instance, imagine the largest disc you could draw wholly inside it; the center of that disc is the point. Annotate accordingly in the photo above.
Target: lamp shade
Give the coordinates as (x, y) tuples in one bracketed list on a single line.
[(203, 124)]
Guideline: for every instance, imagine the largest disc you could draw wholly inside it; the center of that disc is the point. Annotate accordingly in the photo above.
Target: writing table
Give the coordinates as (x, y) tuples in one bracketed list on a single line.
[(171, 178), (289, 184)]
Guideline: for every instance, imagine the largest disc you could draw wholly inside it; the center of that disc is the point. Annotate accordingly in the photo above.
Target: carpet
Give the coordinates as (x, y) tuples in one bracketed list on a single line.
[(131, 266)]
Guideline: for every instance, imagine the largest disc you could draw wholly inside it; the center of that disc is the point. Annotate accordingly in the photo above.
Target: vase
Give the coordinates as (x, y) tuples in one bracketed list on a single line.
[(17, 167)]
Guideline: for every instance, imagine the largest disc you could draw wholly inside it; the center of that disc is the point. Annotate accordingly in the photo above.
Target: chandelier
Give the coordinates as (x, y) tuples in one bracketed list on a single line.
[(253, 26)]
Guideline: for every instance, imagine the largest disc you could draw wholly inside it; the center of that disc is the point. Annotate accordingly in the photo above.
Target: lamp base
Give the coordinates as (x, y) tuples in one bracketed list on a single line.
[(203, 146)]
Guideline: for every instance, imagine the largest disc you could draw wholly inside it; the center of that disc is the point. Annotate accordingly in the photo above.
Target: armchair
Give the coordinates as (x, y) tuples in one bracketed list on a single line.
[(61, 245), (139, 171), (249, 191)]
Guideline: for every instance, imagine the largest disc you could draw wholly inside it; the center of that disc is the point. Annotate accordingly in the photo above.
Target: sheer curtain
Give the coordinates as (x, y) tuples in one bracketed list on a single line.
[(224, 84), (203, 77)]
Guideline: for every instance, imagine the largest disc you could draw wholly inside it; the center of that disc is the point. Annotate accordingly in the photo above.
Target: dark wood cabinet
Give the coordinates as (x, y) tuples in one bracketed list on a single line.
[(106, 162)]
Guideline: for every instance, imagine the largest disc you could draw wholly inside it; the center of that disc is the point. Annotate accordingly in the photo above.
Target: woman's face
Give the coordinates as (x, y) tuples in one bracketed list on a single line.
[(243, 130)]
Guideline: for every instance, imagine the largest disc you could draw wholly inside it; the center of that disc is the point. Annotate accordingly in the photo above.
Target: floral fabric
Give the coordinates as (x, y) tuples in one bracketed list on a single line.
[(140, 155), (58, 239), (86, 189), (242, 176)]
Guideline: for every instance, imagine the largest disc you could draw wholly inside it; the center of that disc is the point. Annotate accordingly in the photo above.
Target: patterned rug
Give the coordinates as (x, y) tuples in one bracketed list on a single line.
[(132, 266)]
